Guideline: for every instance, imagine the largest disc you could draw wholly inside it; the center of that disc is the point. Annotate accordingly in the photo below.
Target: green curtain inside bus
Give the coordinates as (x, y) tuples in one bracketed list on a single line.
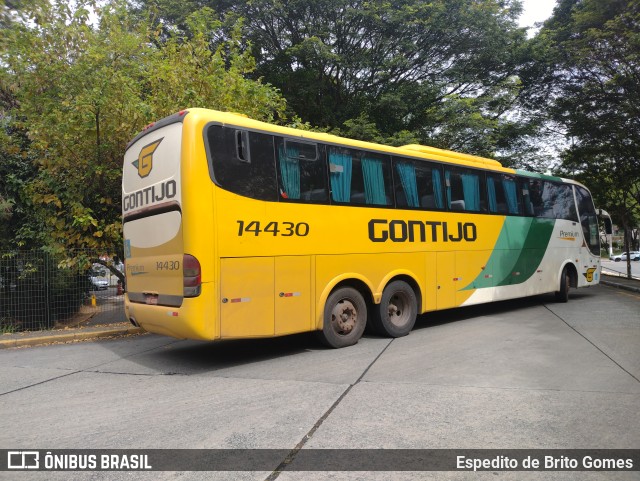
[(471, 191), (374, 192), (290, 172), (511, 194), (407, 174), (437, 188), (491, 189), (340, 166)]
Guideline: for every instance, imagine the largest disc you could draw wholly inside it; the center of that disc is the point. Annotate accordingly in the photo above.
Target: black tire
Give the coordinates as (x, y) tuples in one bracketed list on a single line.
[(396, 314), (565, 284), (345, 317)]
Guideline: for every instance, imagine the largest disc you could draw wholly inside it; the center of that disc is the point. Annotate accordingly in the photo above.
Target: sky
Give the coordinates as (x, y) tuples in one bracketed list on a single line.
[(535, 11)]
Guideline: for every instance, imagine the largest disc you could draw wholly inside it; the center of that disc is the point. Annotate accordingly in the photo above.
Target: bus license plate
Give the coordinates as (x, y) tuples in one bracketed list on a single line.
[(151, 300)]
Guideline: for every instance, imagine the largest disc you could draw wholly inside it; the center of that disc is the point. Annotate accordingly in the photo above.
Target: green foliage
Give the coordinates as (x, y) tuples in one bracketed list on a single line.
[(82, 91), (587, 71), (592, 50), (437, 72)]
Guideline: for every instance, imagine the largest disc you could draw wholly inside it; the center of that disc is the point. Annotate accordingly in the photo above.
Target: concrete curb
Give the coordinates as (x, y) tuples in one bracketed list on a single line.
[(49, 337), (618, 285)]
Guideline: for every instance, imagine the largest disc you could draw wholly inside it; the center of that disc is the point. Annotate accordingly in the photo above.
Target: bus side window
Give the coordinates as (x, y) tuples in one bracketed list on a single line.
[(376, 180), (359, 177), (340, 173), (417, 185), (568, 205), (530, 196), (465, 190), (588, 219), (301, 171), (558, 202), (503, 194), (234, 169)]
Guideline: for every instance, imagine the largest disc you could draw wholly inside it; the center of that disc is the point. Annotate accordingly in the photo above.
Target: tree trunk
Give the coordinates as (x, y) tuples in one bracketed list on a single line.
[(627, 249)]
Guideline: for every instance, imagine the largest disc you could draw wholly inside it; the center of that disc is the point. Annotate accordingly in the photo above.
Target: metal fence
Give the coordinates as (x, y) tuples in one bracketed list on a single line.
[(41, 291)]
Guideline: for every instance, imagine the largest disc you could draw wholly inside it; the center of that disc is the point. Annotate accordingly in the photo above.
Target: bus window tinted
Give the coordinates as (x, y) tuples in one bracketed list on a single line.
[(465, 190), (503, 196), (531, 190), (549, 200), (588, 219), (418, 185), (359, 177), (557, 202), (242, 162), (302, 173)]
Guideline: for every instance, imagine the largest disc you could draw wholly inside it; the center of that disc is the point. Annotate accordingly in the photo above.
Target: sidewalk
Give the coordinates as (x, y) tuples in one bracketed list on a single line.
[(114, 324), (632, 285), (106, 324)]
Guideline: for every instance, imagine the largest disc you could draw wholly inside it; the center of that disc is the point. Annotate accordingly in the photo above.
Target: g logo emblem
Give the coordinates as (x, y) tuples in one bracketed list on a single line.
[(144, 164)]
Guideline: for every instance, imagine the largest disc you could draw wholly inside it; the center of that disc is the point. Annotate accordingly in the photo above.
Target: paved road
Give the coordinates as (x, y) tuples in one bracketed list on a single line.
[(522, 374)]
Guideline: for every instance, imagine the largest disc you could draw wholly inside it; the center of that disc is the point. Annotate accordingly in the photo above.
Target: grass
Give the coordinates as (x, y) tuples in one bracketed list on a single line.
[(6, 327)]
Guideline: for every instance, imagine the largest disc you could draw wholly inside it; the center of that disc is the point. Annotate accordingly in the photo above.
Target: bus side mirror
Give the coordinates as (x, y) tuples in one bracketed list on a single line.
[(608, 228)]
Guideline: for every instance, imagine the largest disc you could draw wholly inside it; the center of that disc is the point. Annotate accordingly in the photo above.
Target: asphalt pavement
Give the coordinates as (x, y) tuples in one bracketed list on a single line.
[(527, 374), (113, 323)]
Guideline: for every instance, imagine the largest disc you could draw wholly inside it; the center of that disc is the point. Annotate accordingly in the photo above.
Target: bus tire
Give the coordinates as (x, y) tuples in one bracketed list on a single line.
[(562, 295), (396, 314), (345, 317)]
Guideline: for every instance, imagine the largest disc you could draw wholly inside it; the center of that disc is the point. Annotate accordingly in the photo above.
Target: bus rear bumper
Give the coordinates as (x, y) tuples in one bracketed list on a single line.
[(184, 322)]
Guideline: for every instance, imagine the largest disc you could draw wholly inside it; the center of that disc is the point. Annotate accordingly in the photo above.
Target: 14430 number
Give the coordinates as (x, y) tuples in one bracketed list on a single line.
[(284, 229)]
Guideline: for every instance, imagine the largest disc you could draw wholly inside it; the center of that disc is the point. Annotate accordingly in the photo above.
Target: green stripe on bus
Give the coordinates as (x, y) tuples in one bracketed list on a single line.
[(517, 253)]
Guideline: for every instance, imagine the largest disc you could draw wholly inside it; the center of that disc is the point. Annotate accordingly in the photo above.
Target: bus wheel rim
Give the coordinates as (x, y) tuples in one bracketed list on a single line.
[(398, 309), (344, 317)]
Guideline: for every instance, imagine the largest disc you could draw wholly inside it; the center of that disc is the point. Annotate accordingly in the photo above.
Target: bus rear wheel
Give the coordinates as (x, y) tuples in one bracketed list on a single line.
[(345, 317), (396, 314), (565, 283)]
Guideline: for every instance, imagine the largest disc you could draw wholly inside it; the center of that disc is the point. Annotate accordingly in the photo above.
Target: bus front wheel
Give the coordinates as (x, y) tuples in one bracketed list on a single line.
[(396, 314), (345, 317), (565, 283)]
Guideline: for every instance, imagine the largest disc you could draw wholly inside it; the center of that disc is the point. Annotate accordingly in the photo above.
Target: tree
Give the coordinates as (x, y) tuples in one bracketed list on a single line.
[(592, 55), (441, 72), (83, 90)]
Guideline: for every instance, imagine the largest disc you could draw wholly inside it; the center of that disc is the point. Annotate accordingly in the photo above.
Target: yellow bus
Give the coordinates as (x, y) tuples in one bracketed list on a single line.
[(235, 228)]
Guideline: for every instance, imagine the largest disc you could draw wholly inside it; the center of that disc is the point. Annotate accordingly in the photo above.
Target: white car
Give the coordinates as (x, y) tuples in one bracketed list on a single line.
[(98, 278), (98, 284), (635, 256)]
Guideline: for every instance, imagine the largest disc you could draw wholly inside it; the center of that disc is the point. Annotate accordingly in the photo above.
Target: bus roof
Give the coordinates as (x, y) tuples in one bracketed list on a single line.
[(413, 150)]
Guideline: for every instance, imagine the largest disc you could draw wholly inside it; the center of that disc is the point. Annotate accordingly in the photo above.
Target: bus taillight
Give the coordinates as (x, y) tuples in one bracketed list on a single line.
[(192, 276)]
